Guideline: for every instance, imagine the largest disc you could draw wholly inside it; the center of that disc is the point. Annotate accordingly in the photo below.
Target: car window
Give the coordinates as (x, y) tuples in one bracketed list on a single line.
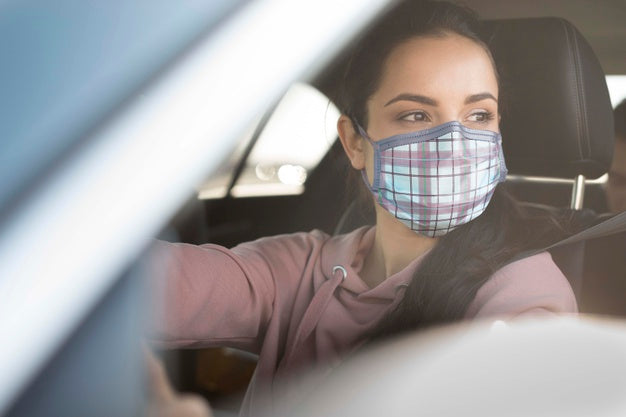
[(299, 132), (617, 88), (218, 183)]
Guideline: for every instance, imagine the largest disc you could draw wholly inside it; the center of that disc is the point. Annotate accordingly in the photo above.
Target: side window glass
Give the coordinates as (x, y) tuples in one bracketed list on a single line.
[(295, 138), (617, 88), (216, 186)]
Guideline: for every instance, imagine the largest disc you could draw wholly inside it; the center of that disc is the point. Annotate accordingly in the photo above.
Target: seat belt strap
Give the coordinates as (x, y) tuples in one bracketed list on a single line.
[(613, 225)]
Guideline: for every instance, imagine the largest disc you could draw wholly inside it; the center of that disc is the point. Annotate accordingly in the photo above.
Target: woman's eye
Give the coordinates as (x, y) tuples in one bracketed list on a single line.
[(481, 117), (417, 116)]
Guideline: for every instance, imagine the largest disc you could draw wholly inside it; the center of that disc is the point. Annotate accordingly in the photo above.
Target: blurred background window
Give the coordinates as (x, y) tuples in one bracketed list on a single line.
[(617, 88), (297, 135)]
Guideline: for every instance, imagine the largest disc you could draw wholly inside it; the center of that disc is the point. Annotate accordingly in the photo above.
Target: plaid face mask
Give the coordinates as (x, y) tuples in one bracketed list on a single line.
[(437, 179)]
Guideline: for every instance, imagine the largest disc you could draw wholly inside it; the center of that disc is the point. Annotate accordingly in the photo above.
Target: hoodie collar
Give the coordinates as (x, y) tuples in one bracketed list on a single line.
[(349, 251), (342, 258)]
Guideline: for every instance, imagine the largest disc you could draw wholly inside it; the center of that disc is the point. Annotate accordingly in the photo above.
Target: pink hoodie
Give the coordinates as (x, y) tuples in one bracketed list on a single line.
[(282, 298)]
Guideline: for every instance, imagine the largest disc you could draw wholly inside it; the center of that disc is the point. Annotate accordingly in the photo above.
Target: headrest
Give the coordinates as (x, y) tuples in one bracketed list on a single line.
[(557, 119)]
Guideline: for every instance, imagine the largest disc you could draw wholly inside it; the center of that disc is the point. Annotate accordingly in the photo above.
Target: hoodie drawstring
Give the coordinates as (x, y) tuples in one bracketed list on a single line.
[(317, 306)]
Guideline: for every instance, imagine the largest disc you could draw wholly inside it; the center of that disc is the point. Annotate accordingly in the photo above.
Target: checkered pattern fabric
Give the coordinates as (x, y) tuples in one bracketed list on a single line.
[(437, 179)]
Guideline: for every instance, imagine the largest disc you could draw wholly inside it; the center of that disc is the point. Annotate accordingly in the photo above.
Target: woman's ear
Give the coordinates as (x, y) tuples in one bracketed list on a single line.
[(351, 141)]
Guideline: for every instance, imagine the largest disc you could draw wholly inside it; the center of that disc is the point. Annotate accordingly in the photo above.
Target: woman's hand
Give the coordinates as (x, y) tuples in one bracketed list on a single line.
[(163, 401)]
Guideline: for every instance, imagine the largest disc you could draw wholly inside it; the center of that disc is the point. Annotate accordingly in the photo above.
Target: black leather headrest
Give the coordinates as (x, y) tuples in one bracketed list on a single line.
[(557, 119)]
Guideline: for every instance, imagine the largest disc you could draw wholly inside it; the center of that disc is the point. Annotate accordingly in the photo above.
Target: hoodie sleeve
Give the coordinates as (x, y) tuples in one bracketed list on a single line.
[(531, 286), (208, 295)]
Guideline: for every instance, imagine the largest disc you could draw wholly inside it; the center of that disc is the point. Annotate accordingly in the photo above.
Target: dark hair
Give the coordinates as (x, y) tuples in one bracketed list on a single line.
[(619, 116), (463, 260)]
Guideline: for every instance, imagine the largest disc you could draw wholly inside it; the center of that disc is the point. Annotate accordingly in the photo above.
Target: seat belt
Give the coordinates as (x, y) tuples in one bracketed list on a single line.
[(568, 253), (610, 226)]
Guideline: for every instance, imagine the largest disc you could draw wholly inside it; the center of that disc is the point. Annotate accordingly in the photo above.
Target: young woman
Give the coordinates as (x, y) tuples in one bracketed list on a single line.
[(420, 107)]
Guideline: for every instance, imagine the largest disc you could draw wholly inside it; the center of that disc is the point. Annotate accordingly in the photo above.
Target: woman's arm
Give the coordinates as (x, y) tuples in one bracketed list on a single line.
[(208, 295)]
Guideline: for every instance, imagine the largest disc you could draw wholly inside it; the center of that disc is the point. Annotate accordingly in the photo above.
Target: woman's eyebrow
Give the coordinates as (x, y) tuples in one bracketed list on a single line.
[(432, 102), (478, 97), (412, 97)]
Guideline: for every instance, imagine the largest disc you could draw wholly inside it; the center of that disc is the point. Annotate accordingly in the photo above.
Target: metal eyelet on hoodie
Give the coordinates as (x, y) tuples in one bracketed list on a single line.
[(342, 269)]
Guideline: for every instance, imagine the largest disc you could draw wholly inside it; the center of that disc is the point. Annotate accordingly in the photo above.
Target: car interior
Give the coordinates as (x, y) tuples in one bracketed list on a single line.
[(557, 128)]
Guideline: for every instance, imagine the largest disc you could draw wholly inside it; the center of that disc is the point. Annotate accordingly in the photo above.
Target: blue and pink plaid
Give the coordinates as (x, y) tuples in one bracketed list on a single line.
[(437, 179)]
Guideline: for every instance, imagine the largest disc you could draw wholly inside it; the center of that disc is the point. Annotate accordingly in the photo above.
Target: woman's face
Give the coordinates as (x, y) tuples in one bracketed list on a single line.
[(427, 81)]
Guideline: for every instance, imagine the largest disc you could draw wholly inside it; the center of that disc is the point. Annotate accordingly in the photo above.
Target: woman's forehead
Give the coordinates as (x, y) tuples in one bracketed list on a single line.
[(438, 65)]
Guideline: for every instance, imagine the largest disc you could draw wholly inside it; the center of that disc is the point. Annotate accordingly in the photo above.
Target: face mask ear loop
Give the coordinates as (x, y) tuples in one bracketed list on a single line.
[(364, 134)]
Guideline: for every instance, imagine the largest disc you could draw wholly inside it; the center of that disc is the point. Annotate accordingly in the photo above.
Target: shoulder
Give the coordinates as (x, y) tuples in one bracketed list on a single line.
[(292, 245), (313, 243), (531, 285)]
